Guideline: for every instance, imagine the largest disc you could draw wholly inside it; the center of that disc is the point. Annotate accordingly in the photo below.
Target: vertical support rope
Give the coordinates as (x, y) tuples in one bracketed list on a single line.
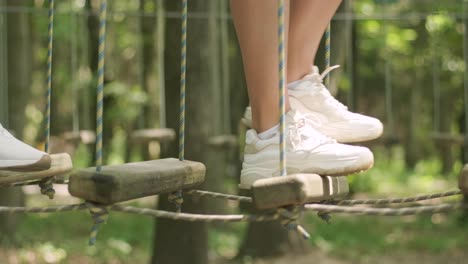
[(100, 86), (183, 71), (465, 79), (434, 41), (3, 67), (176, 197), (50, 39), (282, 84), (99, 214), (46, 185), (327, 54)]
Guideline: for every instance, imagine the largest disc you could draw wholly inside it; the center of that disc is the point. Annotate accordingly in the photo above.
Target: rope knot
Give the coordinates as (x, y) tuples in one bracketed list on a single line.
[(47, 187), (289, 219), (99, 214), (177, 199)]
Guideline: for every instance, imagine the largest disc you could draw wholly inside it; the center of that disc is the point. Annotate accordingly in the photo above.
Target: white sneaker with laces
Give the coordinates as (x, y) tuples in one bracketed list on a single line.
[(307, 151), (329, 116), (18, 156)]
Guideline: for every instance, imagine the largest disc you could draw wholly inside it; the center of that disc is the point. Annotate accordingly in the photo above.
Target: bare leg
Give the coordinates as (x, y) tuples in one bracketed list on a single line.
[(256, 25), (309, 19)]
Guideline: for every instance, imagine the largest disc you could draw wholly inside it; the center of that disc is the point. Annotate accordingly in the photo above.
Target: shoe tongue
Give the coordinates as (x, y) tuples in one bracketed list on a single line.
[(315, 70), (293, 115)]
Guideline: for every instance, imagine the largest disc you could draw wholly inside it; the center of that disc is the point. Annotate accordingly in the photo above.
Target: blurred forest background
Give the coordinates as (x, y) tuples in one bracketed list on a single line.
[(403, 61)]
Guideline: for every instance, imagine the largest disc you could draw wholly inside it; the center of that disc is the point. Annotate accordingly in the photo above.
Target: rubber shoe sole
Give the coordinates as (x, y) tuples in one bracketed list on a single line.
[(43, 164)]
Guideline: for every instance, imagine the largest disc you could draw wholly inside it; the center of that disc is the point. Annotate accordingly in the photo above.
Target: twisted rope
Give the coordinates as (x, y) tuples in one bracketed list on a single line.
[(194, 217), (176, 197), (50, 40), (34, 210), (98, 213), (289, 220), (426, 209), (327, 53), (279, 215), (33, 182), (398, 200), (183, 71), (282, 85), (100, 86), (46, 185), (231, 197), (100, 216)]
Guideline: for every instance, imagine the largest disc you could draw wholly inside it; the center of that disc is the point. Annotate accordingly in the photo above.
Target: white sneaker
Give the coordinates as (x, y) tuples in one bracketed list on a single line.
[(307, 150), (329, 116), (17, 156)]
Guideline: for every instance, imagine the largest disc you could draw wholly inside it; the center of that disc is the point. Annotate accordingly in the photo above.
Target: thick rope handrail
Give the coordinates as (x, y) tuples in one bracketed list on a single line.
[(397, 200)]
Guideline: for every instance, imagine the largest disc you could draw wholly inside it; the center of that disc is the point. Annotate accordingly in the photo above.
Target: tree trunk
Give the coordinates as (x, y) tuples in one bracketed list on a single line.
[(185, 242), (3, 67), (20, 72), (270, 239)]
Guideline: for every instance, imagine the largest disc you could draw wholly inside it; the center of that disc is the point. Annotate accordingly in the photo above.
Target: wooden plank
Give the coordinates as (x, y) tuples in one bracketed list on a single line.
[(463, 181), (338, 186), (156, 134), (297, 189), (61, 164), (83, 136), (448, 138), (224, 142), (118, 183)]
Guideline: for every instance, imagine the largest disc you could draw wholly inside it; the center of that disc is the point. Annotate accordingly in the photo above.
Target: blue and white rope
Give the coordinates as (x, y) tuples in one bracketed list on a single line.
[(50, 40), (99, 214), (282, 84), (183, 71), (100, 84), (46, 185), (176, 197)]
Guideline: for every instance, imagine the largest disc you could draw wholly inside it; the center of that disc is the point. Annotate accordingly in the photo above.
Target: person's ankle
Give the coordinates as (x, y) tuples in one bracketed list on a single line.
[(269, 133)]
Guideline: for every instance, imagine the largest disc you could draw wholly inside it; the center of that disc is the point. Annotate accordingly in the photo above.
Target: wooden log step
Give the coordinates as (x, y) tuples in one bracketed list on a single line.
[(224, 142), (86, 137), (463, 181), (61, 165), (154, 134), (449, 138), (118, 183), (297, 189)]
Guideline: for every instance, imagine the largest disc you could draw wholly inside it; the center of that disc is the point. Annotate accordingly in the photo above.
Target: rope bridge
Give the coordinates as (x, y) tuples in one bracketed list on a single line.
[(285, 197)]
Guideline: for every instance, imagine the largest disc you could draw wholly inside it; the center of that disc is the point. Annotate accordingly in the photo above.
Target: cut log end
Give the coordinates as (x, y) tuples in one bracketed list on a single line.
[(297, 189)]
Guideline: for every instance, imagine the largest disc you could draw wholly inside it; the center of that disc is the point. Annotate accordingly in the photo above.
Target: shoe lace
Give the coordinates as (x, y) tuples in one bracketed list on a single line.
[(317, 79), (303, 136)]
